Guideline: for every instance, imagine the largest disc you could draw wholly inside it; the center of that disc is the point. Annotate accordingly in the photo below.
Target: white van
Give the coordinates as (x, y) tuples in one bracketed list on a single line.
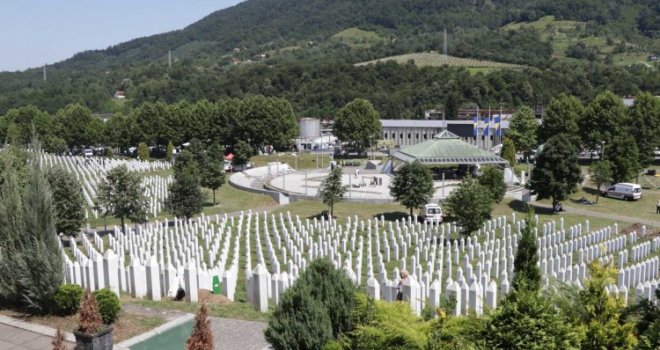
[(431, 213), (624, 190)]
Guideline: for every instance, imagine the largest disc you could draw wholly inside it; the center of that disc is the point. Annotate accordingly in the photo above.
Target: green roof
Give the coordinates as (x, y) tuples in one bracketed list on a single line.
[(446, 148)]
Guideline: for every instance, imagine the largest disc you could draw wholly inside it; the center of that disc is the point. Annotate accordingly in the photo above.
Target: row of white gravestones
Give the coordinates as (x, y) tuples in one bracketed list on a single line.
[(154, 278), (327, 239), (274, 249), (91, 172)]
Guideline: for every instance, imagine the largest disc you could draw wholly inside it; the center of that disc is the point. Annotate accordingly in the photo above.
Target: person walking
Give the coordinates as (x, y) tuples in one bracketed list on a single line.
[(399, 287), (657, 207)]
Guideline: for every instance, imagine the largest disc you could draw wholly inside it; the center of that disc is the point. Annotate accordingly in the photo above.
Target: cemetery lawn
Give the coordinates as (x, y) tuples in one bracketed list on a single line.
[(241, 310), (128, 325), (642, 209), (508, 205), (304, 160), (310, 209)]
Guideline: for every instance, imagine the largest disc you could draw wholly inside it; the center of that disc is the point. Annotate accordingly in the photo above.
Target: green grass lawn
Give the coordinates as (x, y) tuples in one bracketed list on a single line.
[(309, 209), (433, 59), (237, 310), (356, 37), (301, 160)]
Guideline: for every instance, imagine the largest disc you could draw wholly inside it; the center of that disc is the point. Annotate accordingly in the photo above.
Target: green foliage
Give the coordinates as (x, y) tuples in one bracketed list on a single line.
[(67, 298), (30, 259), (68, 201), (185, 196), (333, 345), (602, 120), (509, 151), (493, 179), (527, 275), (170, 151), (121, 196), (108, 304), (267, 121), (622, 155), (457, 333), (76, 123), (358, 124), (525, 320), (317, 308), (143, 151), (242, 153), (332, 191), (601, 174), (601, 317), (412, 186), (213, 176), (522, 129), (646, 316), (470, 204), (644, 119), (556, 173), (392, 326), (299, 321), (561, 117)]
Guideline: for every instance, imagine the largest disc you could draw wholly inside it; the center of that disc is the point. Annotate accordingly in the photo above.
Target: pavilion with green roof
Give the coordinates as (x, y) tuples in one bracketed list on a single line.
[(446, 149)]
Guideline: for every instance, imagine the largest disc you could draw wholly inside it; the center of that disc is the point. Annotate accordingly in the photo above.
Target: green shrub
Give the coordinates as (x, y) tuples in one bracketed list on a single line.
[(333, 345), (109, 305), (143, 151), (67, 298), (299, 322)]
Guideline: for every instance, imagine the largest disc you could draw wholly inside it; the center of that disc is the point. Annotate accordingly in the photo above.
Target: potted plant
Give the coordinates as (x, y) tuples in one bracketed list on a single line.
[(92, 334)]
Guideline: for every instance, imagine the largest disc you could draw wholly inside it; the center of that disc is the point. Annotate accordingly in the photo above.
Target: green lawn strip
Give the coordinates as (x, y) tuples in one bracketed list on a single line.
[(235, 310)]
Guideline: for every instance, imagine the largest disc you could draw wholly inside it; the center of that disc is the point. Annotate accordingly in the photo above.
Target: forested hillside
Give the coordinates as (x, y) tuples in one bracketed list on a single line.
[(285, 48)]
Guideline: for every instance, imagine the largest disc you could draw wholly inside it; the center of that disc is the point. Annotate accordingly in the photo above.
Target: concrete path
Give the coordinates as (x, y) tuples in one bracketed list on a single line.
[(28, 336), (616, 217), (229, 334)]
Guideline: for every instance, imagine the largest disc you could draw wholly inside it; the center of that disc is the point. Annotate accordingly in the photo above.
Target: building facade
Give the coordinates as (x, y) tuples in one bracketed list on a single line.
[(407, 132)]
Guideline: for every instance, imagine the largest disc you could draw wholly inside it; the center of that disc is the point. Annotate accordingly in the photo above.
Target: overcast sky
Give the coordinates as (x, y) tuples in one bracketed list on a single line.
[(34, 32)]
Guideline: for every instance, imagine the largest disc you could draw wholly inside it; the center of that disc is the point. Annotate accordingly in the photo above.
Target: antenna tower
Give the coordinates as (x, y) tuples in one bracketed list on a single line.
[(444, 47), (169, 59), (45, 77)]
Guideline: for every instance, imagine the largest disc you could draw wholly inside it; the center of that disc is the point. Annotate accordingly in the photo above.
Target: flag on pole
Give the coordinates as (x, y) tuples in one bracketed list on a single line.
[(475, 126), (498, 126), (486, 126)]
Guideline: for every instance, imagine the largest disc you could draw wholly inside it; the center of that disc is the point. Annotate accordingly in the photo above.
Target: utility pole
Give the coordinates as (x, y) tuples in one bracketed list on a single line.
[(169, 59), (444, 46), (45, 77)]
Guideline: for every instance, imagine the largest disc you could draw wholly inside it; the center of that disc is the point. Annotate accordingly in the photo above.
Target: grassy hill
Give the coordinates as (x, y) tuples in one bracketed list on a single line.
[(433, 59), (568, 38), (356, 37)]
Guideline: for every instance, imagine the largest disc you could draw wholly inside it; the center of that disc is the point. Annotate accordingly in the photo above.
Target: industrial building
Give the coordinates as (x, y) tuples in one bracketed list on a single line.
[(315, 135)]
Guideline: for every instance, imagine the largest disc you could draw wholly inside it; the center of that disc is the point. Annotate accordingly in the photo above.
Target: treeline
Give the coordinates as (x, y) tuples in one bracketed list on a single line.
[(257, 120), (315, 90)]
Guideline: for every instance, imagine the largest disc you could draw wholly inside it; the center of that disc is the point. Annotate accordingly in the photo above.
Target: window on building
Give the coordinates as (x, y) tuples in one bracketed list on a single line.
[(417, 136), (401, 136), (408, 136), (424, 136), (393, 136)]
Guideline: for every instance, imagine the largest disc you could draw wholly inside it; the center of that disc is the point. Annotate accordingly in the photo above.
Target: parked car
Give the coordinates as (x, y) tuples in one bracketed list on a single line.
[(624, 190), (431, 213), (88, 152)]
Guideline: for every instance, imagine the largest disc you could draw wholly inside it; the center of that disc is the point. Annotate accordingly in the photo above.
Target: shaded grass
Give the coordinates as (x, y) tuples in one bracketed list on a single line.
[(235, 310)]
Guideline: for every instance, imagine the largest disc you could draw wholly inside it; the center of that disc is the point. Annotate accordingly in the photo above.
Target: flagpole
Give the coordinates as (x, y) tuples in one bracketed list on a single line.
[(500, 126), (476, 137)]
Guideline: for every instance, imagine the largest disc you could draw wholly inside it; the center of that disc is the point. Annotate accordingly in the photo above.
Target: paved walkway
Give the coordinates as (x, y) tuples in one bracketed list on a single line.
[(13, 338), (229, 334), (616, 217)]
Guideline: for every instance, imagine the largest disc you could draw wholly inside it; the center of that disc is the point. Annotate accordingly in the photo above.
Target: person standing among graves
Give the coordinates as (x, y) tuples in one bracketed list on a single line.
[(399, 287)]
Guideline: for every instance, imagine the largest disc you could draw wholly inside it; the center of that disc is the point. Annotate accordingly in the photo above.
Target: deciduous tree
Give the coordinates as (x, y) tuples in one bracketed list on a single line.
[(358, 124), (68, 201), (601, 173), (557, 172), (470, 204), (522, 129), (332, 191), (412, 185), (645, 126), (493, 179), (622, 155), (122, 196), (185, 196), (602, 120), (561, 117)]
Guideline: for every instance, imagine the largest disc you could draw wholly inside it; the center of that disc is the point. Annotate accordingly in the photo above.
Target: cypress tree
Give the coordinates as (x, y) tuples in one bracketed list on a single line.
[(526, 274), (201, 337)]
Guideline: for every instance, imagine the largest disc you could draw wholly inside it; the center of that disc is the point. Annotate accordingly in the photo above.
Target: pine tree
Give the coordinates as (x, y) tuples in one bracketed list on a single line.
[(201, 337), (170, 151), (526, 273), (143, 151), (332, 190)]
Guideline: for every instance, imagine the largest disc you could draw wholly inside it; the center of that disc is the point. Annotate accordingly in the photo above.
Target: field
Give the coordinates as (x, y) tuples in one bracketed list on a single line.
[(432, 59), (563, 34), (356, 37)]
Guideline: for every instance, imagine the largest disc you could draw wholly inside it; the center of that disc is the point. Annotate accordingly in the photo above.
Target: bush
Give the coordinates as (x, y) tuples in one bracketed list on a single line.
[(67, 298), (89, 319), (333, 345), (108, 304)]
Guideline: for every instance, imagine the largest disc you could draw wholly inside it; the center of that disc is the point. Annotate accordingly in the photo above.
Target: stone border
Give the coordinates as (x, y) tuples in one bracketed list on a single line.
[(36, 328), (126, 344)]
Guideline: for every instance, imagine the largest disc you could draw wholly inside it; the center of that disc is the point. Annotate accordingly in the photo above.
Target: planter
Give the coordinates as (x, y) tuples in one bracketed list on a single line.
[(102, 340)]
